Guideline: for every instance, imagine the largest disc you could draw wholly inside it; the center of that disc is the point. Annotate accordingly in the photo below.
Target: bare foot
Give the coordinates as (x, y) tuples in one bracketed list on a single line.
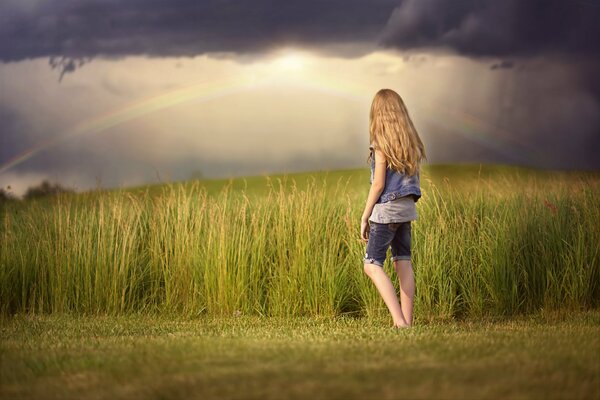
[(400, 326)]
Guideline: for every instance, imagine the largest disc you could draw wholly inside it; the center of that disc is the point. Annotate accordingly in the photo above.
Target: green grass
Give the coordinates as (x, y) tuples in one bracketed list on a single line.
[(490, 241), (253, 288), (543, 355)]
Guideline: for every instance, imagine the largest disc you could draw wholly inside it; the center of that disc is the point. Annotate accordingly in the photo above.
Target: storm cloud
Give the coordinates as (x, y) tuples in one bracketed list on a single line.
[(562, 31), (529, 37), (497, 28), (165, 28)]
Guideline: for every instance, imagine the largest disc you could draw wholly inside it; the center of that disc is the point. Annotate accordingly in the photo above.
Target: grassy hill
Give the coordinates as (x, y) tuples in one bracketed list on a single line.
[(357, 180)]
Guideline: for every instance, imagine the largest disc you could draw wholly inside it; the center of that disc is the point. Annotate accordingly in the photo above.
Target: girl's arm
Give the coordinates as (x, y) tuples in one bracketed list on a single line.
[(377, 187)]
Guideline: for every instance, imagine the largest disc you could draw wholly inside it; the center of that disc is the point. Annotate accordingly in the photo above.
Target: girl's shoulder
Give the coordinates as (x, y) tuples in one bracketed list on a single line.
[(373, 148)]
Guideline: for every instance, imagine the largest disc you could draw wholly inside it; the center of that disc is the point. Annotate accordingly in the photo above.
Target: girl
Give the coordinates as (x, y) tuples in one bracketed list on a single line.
[(396, 152)]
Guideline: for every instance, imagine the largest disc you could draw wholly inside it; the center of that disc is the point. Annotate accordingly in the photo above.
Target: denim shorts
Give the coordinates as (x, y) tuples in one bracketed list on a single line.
[(381, 236)]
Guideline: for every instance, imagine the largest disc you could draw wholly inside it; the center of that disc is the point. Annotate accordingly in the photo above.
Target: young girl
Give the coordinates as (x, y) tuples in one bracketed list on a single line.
[(395, 156)]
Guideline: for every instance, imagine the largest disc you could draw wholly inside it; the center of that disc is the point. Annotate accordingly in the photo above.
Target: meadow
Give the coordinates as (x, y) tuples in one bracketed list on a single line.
[(489, 241), (254, 288)]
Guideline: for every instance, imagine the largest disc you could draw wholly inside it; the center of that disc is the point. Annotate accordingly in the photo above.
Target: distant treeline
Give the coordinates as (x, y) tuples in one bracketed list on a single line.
[(42, 190)]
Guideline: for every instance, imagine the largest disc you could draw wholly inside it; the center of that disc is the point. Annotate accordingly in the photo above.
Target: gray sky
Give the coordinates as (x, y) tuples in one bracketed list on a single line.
[(130, 92)]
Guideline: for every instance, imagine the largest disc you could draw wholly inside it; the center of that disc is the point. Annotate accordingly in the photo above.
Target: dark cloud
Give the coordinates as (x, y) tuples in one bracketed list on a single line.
[(560, 32), (66, 64), (113, 28), (504, 64), (497, 28)]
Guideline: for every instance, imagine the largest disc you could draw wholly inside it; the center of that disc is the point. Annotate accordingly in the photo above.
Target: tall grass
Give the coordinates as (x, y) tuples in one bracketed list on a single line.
[(489, 248)]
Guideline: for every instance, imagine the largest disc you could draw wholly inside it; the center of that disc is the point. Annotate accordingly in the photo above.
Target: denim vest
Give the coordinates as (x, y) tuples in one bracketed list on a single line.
[(397, 184)]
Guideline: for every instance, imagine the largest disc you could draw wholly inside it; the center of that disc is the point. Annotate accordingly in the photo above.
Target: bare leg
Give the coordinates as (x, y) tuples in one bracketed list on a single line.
[(406, 278), (387, 291)]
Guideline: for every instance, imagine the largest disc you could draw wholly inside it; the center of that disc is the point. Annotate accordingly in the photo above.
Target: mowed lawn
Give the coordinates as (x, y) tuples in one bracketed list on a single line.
[(538, 356)]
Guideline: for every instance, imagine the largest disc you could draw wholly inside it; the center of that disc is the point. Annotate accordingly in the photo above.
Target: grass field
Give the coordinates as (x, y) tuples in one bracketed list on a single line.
[(541, 356), (253, 288), (489, 241)]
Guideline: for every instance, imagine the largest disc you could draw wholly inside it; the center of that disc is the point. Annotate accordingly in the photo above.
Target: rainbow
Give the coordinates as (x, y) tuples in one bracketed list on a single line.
[(203, 91), (197, 91), (456, 122)]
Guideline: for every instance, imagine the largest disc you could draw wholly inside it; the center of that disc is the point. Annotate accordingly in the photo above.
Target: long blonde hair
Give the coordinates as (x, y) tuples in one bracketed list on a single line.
[(391, 131)]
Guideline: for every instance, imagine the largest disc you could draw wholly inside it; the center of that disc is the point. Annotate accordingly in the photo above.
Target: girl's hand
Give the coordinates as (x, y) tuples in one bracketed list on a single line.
[(364, 230)]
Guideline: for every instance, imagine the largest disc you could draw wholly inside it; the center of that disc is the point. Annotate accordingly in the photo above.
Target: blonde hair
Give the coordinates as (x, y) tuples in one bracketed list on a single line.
[(392, 132)]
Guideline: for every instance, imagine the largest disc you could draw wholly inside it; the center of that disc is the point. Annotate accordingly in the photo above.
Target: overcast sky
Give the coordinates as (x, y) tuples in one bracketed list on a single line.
[(115, 92)]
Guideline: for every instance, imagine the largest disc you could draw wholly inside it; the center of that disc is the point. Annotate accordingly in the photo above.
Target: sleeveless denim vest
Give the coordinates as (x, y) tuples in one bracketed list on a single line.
[(397, 184)]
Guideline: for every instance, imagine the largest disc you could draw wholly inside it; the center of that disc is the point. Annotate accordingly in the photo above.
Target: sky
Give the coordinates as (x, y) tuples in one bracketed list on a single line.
[(109, 93)]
